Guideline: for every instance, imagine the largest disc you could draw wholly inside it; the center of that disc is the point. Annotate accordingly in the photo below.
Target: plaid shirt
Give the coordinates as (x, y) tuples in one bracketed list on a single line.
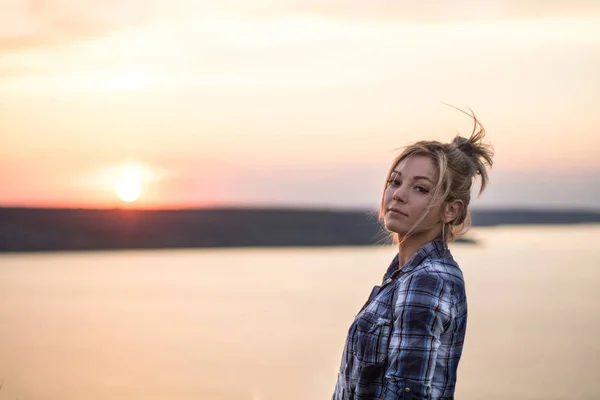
[(406, 341)]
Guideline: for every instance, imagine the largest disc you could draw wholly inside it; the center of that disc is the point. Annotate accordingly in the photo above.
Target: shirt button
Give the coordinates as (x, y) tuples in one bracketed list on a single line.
[(407, 390), (354, 352)]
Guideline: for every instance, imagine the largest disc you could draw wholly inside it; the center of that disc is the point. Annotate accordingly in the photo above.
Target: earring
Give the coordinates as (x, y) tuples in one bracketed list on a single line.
[(444, 236)]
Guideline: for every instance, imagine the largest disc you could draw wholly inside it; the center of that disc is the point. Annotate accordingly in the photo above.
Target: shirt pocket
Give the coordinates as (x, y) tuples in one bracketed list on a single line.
[(372, 339)]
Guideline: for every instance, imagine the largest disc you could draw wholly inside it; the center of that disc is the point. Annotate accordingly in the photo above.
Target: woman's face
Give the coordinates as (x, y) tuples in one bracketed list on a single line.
[(407, 195)]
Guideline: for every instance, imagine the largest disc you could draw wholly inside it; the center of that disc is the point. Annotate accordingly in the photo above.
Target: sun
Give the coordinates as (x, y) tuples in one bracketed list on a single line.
[(128, 185)]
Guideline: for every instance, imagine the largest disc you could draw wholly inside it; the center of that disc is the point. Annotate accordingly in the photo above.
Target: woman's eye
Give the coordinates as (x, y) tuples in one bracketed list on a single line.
[(421, 189), (393, 182)]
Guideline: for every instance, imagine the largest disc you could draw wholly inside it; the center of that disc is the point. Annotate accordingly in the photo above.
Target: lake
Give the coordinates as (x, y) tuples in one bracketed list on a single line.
[(270, 323)]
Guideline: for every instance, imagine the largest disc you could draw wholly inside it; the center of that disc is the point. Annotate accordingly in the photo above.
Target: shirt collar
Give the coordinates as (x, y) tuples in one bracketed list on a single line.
[(434, 249)]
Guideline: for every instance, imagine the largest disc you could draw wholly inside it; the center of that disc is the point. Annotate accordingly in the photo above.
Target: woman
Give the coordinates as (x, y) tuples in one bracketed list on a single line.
[(407, 339)]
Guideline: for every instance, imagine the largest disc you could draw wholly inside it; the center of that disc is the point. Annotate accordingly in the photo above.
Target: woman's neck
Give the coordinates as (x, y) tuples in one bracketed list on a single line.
[(409, 246)]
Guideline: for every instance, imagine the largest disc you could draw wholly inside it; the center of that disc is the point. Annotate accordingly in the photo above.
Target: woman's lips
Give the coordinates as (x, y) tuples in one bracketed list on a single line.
[(395, 211)]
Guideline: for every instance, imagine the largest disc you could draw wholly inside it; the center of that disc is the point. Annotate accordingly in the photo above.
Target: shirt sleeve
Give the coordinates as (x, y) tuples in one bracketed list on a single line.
[(421, 310)]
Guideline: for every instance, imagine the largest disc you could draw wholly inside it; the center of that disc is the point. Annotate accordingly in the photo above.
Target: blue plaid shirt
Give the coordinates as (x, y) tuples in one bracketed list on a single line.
[(406, 341)]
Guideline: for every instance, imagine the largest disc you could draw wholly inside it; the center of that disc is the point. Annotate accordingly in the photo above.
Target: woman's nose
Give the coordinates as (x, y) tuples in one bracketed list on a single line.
[(399, 195)]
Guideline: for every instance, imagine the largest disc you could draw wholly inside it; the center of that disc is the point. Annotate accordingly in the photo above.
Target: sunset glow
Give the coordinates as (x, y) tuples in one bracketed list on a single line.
[(128, 186), (274, 102)]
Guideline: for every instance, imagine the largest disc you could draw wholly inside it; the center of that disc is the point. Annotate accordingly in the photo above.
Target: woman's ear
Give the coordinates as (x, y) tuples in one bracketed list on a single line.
[(452, 210)]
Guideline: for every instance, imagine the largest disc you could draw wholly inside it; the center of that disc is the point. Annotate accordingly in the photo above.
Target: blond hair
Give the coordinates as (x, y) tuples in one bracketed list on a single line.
[(457, 164)]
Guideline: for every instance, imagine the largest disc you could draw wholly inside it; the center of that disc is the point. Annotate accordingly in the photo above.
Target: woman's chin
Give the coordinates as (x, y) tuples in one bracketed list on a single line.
[(396, 228)]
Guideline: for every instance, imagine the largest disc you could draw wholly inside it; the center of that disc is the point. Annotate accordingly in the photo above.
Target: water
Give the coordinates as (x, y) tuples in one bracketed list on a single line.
[(266, 324)]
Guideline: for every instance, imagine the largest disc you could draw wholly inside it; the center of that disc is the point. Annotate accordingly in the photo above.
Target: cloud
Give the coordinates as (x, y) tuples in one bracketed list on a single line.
[(441, 10), (25, 24)]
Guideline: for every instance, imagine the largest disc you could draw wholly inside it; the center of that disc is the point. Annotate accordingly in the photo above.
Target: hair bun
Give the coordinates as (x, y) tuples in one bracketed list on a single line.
[(478, 153), (464, 145)]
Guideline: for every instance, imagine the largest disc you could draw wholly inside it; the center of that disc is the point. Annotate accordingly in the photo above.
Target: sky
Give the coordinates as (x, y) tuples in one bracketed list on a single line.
[(291, 103)]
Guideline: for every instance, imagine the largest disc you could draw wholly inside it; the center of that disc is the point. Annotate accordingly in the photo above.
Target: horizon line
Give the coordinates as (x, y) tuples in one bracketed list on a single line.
[(233, 207)]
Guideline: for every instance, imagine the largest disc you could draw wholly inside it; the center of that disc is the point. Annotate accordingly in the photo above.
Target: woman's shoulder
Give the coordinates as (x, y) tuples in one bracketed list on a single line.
[(439, 279), (444, 269)]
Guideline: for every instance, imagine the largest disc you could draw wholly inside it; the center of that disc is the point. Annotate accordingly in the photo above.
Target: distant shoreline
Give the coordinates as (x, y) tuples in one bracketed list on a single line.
[(62, 229)]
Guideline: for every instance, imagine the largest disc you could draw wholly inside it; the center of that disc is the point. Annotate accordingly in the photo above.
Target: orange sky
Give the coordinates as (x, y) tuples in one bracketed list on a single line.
[(291, 102)]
